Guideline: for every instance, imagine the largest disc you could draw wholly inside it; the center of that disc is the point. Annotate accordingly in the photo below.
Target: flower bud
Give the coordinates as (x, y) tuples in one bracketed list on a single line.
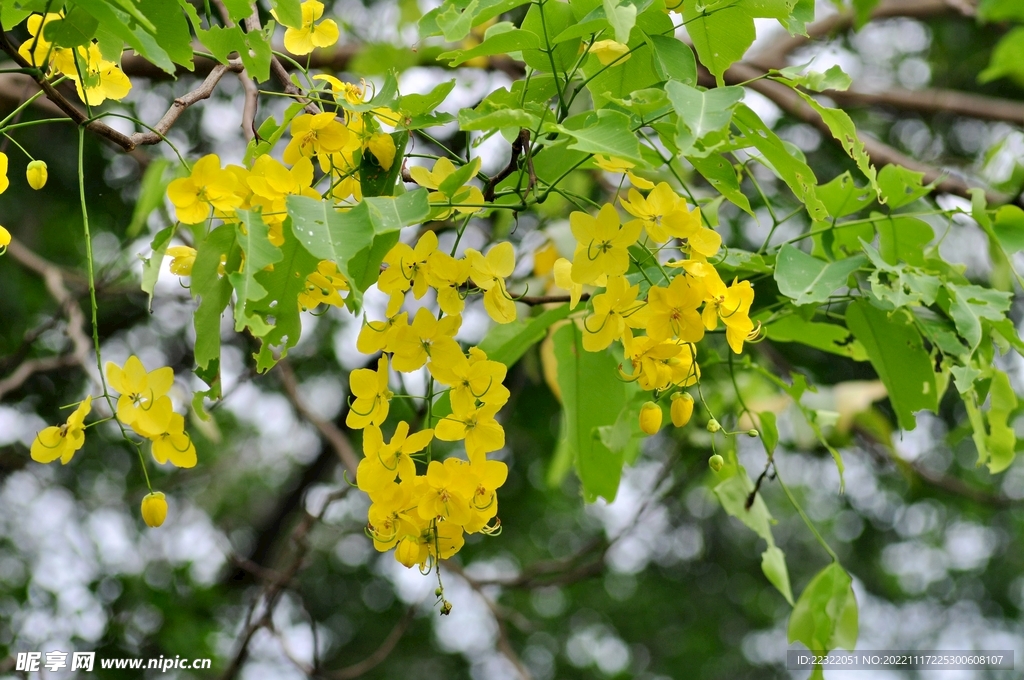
[(716, 462), (154, 509), (650, 418), (5, 238), (713, 426), (753, 433), (446, 608), (36, 174), (682, 408)]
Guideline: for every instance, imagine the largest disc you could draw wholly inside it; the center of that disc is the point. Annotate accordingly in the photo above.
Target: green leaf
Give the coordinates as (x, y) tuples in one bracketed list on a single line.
[(832, 79), (507, 343), (151, 265), (825, 616), (622, 17), (733, 494), (897, 353), (720, 36), (862, 11), (172, 31), (557, 16), (592, 396), (900, 186), (238, 10), (115, 15), (842, 196), (794, 171), (419, 104), (900, 285), (827, 337), (76, 28), (483, 10), (1007, 59), (603, 132), (373, 178), (769, 434), (673, 59), (902, 239), (502, 43), (456, 24), (288, 12), (701, 111), (1001, 10), (284, 284), (1002, 440), (214, 293), (151, 195), (808, 280), (253, 236), (1009, 228), (969, 304), (842, 128), (723, 176), (343, 236), (773, 564)]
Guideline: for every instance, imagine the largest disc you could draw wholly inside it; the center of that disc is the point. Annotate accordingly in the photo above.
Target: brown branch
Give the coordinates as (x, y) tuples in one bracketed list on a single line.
[(534, 300), (181, 104), (936, 101), (30, 367), (380, 654), (521, 142), (328, 430)]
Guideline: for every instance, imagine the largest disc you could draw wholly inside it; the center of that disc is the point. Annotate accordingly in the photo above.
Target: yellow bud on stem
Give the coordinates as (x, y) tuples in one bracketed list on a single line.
[(716, 462), (154, 509), (682, 408), (36, 174), (650, 418)]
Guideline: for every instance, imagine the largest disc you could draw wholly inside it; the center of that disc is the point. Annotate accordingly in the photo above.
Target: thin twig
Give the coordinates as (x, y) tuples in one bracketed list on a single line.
[(521, 142), (380, 654)]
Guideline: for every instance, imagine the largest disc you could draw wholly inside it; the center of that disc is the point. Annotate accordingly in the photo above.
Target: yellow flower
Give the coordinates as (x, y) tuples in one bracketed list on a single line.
[(682, 408), (663, 213), (376, 336), (477, 426), (64, 441), (426, 337), (317, 135), (312, 35), (473, 381), (5, 240), (486, 476), (608, 51), (407, 267), (440, 540), (382, 146), (563, 279), (372, 396), (544, 259), (488, 274), (447, 275), (271, 183), (446, 494), (731, 305), (382, 462), (207, 185), (143, 405), (442, 170), (175, 445), (618, 165), (393, 516), (673, 310), (650, 418), (154, 509), (100, 79), (36, 174), (323, 286), (182, 260), (614, 310), (601, 244), (4, 182), (38, 49), (658, 365)]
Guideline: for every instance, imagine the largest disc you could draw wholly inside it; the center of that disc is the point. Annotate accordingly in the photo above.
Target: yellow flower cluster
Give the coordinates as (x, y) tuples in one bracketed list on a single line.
[(676, 310), (96, 79), (311, 35), (145, 407)]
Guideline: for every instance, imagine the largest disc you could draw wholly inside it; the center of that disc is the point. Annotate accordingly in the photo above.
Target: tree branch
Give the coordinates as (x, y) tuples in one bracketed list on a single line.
[(380, 654)]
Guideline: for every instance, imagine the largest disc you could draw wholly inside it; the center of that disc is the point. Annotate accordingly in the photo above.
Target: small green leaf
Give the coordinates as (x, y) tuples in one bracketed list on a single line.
[(455, 24), (603, 132), (897, 353), (116, 15), (1002, 440), (1009, 228), (827, 337), (592, 397), (151, 195), (825, 616), (1001, 10), (373, 178), (288, 12), (769, 431), (214, 293), (969, 304), (253, 237), (733, 494), (832, 79), (701, 112), (151, 265), (1007, 59), (673, 59), (808, 280), (722, 175), (554, 18), (172, 30), (511, 41), (902, 239), (76, 28), (843, 197), (900, 186), (622, 17), (721, 36), (507, 343), (773, 564), (419, 104), (845, 132)]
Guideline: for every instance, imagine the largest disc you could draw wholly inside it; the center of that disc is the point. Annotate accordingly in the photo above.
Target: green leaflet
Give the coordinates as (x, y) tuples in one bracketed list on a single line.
[(622, 17), (808, 280), (1009, 228), (557, 16), (288, 12), (1002, 440), (898, 356), (721, 37), (214, 293), (592, 396), (151, 195), (733, 494), (355, 239), (900, 186), (374, 179), (723, 176), (253, 48), (116, 15), (76, 28), (843, 197), (421, 104), (259, 253), (673, 59), (794, 171), (474, 12), (833, 78), (827, 337), (283, 284), (502, 43), (969, 304), (902, 239), (603, 132), (1007, 59), (701, 112), (845, 132), (172, 30), (151, 265), (825, 616)]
